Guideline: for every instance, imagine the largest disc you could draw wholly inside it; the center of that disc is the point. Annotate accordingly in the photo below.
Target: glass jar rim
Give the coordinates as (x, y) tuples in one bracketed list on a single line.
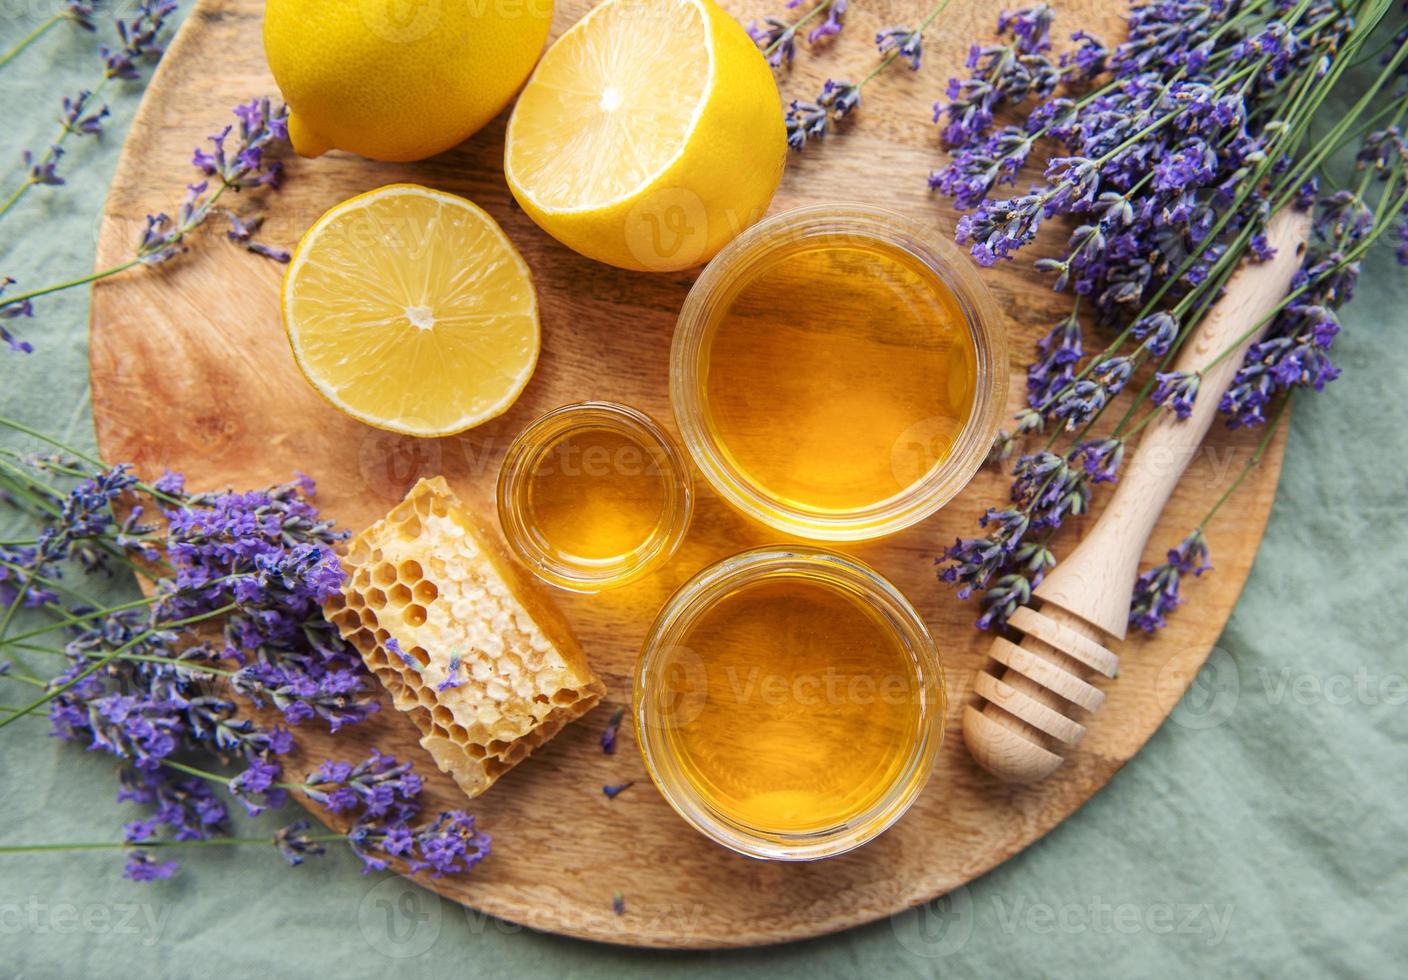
[(834, 570), (817, 224), (527, 451)]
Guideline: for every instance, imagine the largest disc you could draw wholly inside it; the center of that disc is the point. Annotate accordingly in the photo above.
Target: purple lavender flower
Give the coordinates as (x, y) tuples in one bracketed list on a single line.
[(12, 311), (255, 787), (379, 785), (80, 13), (294, 843), (1030, 27), (618, 904), (242, 231), (43, 169), (608, 734), (141, 866), (611, 791), (1156, 333), (813, 120), (78, 120), (1101, 458), (905, 42), (831, 26), (1156, 593), (452, 679), (1060, 351), (1176, 390), (140, 39), (777, 40), (448, 845)]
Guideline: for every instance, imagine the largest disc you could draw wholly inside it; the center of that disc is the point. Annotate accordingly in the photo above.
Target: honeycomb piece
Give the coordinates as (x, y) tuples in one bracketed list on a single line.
[(484, 665)]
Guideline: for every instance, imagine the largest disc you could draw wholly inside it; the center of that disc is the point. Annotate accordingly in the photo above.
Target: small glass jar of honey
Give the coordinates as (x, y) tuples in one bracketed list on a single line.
[(789, 703), (594, 495), (837, 374)]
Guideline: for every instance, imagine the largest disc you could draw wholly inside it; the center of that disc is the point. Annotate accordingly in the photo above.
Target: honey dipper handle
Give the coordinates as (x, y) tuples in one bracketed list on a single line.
[(1096, 581)]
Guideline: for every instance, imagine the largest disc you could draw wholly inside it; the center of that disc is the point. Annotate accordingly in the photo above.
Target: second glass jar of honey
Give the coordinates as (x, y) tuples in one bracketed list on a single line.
[(838, 375)]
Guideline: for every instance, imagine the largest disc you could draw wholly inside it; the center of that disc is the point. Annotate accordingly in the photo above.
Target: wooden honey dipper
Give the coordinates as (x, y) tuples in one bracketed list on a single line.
[(1033, 688)]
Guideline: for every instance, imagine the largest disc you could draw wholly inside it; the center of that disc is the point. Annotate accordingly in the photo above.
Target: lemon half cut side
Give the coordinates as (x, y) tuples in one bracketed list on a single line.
[(409, 309), (650, 134)]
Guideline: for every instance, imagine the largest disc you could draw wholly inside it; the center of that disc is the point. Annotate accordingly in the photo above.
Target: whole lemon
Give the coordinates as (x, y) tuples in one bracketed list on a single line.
[(399, 79)]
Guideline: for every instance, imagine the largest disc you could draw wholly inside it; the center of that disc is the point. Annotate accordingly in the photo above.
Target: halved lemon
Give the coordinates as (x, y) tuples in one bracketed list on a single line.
[(650, 134), (409, 309)]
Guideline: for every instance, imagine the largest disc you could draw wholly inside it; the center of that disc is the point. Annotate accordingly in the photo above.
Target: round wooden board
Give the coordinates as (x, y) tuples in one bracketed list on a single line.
[(190, 370)]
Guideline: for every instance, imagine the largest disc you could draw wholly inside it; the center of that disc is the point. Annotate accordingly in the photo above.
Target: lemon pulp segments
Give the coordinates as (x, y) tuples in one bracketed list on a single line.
[(409, 309), (650, 134), (611, 105)]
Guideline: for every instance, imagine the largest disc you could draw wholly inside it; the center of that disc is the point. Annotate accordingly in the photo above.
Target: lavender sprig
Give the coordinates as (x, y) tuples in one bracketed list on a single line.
[(141, 43), (256, 566), (1174, 149), (838, 99), (1156, 593), (76, 12), (239, 158), (777, 39)]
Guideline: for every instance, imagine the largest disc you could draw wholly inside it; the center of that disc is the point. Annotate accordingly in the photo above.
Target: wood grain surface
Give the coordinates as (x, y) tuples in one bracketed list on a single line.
[(191, 370)]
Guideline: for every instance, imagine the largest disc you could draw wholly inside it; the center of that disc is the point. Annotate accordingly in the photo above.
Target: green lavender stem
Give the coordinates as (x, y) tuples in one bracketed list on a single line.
[(216, 777), (69, 284), (143, 845), (104, 661), (30, 38)]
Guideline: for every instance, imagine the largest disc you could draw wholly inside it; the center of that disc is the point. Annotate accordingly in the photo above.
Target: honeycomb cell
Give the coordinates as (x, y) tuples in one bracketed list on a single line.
[(425, 592), (384, 574), (410, 572), (376, 598), (399, 595), (414, 615)]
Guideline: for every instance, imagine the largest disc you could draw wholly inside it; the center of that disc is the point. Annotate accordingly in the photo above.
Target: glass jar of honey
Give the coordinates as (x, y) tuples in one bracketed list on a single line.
[(837, 374), (789, 703), (594, 495)]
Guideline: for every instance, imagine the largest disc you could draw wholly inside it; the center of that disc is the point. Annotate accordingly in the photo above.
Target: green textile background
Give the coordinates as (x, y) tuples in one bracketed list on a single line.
[(1261, 832)]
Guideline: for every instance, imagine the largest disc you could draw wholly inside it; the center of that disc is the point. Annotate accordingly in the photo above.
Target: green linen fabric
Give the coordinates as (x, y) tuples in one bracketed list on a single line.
[(1260, 832)]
